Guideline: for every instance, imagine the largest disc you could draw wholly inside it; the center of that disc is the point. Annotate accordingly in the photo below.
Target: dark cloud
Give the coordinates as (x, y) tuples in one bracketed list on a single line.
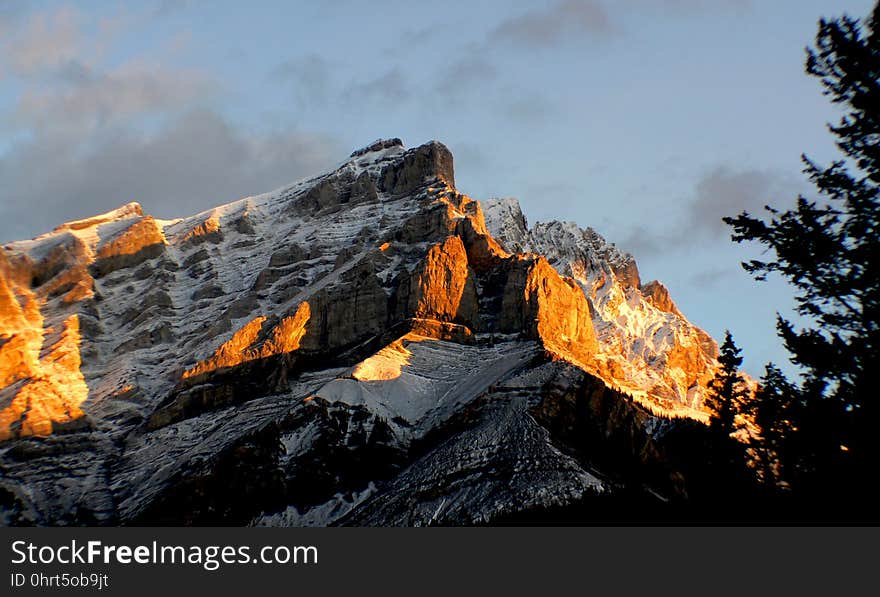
[(195, 162), (718, 193), (546, 27)]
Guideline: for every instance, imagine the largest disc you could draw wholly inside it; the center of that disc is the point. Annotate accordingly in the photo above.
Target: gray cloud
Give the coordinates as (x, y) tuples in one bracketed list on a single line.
[(725, 192), (195, 162), (408, 39), (718, 193), (90, 98), (468, 69), (310, 77), (40, 42), (528, 108), (642, 241), (683, 7), (87, 138), (712, 278), (471, 155), (590, 18), (391, 86), (56, 56), (545, 27)]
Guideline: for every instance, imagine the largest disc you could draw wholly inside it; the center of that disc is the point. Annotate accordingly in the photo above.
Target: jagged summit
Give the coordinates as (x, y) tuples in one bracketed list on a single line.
[(377, 145), (647, 347), (556, 239), (355, 316)]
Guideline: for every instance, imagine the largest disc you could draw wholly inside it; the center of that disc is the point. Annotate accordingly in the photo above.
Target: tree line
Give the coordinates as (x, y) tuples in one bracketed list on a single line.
[(809, 444)]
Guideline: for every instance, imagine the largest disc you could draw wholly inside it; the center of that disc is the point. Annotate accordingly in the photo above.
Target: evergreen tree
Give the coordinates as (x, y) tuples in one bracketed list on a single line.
[(776, 410), (728, 478), (830, 251), (728, 391)]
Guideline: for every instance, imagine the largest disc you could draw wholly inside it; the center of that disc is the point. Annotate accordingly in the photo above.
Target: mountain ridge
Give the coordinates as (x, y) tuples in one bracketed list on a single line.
[(376, 295)]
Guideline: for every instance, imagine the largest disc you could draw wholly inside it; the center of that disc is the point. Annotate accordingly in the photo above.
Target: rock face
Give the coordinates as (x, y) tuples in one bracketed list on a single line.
[(364, 347)]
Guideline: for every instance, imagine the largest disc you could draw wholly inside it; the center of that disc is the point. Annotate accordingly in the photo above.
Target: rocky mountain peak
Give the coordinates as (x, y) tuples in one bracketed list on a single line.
[(356, 314), (377, 145)]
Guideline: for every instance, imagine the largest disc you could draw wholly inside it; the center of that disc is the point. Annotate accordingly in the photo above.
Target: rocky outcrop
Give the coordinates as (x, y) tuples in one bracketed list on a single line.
[(658, 295), (431, 162), (49, 399), (136, 243), (549, 308), (20, 326), (259, 339), (207, 231), (442, 286)]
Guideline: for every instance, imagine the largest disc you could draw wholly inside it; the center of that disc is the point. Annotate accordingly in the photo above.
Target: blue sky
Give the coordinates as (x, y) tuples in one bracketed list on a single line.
[(645, 119)]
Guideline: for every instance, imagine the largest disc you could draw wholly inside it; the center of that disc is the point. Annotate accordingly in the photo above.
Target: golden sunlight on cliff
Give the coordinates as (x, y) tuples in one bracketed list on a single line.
[(143, 233), (20, 333), (562, 314), (54, 390), (210, 227), (245, 344), (443, 288)]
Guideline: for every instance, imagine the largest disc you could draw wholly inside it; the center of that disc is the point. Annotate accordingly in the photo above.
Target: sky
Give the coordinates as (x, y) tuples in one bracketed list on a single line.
[(647, 120)]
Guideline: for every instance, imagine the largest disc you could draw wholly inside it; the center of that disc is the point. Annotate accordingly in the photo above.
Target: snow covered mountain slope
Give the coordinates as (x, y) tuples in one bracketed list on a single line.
[(647, 346), (355, 348)]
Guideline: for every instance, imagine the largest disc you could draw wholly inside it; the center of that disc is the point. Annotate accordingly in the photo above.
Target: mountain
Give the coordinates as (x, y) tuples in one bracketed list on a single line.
[(366, 347)]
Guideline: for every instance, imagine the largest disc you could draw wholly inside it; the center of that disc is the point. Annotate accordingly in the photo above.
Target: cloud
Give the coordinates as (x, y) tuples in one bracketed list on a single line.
[(719, 192), (391, 86), (685, 7), (195, 162), (87, 137), (310, 76), (45, 41), (713, 277), (527, 108), (468, 69), (546, 27), (642, 241), (566, 19), (406, 40), (89, 98), (725, 192), (56, 57)]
